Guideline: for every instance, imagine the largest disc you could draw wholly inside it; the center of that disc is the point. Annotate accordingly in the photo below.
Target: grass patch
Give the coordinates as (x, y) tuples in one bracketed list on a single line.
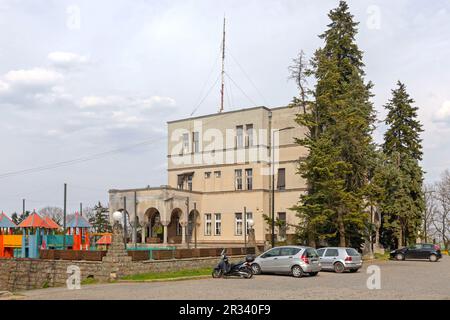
[(379, 256), (169, 275), (89, 281)]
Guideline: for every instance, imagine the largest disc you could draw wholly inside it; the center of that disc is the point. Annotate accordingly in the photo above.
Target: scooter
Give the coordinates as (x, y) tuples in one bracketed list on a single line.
[(225, 269)]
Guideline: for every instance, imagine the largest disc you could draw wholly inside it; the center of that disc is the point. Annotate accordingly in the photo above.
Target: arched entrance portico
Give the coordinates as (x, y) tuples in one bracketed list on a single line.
[(193, 227), (175, 228), (152, 230)]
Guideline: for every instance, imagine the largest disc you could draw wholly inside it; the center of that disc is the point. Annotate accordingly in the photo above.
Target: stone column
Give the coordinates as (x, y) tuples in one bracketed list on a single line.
[(165, 224), (144, 230), (183, 232)]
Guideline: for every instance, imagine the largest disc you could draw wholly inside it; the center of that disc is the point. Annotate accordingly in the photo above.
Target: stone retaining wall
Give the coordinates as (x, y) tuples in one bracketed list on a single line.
[(26, 274)]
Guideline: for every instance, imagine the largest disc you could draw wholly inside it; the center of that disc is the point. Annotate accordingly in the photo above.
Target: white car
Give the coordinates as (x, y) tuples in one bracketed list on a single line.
[(294, 260)]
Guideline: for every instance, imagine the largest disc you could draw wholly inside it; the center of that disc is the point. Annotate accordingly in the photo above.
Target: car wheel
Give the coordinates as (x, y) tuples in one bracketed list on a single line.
[(256, 269), (339, 267), (399, 257), (313, 274), (217, 273), (353, 270), (297, 271), (433, 258)]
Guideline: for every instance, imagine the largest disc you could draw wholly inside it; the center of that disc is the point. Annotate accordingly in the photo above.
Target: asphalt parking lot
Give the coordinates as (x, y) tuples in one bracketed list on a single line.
[(399, 280)]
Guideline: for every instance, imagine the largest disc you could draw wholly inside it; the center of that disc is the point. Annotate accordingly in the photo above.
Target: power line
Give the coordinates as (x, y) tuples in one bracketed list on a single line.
[(76, 160), (94, 156)]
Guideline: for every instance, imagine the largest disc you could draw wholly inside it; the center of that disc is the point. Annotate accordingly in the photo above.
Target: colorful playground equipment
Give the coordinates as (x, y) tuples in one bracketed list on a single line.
[(105, 240), (42, 233), (78, 227), (8, 241)]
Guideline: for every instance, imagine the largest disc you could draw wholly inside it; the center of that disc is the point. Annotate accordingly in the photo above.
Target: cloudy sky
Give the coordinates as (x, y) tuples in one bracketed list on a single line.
[(79, 79)]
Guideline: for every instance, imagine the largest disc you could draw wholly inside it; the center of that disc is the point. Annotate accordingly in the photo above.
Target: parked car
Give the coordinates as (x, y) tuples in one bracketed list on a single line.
[(428, 251), (340, 259), (294, 260)]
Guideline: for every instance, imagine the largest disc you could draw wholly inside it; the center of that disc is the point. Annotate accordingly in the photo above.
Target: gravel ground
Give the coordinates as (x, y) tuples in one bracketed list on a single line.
[(399, 280)]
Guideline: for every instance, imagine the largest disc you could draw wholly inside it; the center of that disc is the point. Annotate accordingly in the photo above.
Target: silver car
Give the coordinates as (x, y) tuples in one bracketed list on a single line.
[(294, 260), (340, 259)]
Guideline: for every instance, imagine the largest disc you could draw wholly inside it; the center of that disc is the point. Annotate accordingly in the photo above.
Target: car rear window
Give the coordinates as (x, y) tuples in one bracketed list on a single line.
[(311, 253), (352, 252)]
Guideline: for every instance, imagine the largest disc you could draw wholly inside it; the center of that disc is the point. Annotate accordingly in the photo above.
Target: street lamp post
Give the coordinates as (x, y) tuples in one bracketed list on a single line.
[(273, 182)]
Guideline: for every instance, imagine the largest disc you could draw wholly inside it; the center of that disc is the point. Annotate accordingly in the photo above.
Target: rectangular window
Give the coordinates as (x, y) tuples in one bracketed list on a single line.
[(196, 142), (207, 175), (249, 217), (208, 224), (238, 224), (281, 183), (218, 174), (189, 182), (238, 179), (185, 143), (239, 136), (249, 129), (217, 224), (180, 181), (249, 178)]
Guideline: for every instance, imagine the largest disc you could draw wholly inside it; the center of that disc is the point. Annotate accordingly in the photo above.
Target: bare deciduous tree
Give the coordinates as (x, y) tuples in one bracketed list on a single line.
[(441, 220), (429, 191), (55, 213)]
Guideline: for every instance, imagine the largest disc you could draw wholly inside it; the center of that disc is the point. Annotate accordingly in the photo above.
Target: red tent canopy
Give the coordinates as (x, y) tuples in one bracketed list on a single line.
[(106, 239), (51, 224), (33, 221)]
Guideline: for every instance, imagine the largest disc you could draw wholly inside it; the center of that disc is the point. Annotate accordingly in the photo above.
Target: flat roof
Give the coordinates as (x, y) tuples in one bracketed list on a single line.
[(227, 112)]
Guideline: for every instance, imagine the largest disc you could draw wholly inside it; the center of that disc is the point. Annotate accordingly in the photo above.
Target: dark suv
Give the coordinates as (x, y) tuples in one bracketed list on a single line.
[(427, 251)]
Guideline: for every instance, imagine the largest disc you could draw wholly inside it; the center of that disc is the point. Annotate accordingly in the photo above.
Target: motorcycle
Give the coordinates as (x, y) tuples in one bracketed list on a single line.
[(224, 268)]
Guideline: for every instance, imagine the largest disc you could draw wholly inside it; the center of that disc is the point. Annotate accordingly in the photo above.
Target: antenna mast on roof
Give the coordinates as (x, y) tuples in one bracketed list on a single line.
[(223, 68)]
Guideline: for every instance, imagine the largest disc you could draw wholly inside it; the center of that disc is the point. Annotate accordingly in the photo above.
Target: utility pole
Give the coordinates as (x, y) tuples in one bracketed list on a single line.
[(222, 90), (245, 229), (195, 225), (186, 232), (23, 207), (135, 219), (81, 208), (273, 180), (65, 215), (125, 221)]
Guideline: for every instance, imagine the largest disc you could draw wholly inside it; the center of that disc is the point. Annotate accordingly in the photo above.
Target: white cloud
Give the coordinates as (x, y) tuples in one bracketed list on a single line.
[(66, 59), (98, 101), (4, 87), (33, 77), (443, 114)]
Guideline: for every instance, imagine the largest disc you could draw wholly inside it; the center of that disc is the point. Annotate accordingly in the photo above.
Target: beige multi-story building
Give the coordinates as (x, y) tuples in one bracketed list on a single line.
[(220, 175)]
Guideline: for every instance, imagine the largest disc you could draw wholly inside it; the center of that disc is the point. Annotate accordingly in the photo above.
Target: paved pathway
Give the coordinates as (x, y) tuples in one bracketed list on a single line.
[(399, 280)]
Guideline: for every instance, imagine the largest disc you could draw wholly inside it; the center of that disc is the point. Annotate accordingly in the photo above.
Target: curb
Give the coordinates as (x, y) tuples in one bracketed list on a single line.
[(165, 280)]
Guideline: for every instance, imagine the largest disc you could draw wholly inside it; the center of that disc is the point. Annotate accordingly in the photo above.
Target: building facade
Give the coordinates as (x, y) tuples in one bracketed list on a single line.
[(220, 170)]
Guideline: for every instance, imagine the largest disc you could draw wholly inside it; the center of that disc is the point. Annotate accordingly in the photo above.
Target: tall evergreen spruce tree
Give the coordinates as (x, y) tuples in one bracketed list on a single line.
[(403, 147), (340, 122)]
